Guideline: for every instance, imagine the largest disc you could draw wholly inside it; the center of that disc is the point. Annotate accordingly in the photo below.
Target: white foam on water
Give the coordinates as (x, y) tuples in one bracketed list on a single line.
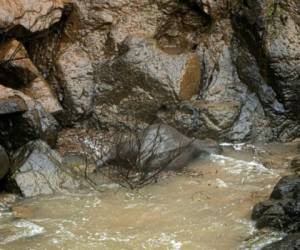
[(221, 184), (238, 167), (29, 229), (237, 146), (117, 238), (164, 239), (260, 240)]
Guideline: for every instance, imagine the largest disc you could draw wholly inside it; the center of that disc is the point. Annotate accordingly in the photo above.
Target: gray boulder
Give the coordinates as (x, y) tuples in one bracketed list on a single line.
[(39, 170), (159, 146)]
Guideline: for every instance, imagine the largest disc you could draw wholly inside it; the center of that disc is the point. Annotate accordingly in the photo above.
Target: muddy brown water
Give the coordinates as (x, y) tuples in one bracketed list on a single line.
[(208, 206)]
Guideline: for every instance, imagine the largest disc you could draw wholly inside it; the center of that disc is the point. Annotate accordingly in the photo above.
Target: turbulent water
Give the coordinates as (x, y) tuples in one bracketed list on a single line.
[(208, 206)]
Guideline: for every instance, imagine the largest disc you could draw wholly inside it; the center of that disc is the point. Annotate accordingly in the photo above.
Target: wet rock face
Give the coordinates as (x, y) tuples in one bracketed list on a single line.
[(38, 170), (272, 31), (211, 68), (144, 78)]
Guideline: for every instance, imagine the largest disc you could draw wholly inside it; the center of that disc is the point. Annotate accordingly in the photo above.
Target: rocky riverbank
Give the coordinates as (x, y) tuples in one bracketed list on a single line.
[(281, 211), (75, 74)]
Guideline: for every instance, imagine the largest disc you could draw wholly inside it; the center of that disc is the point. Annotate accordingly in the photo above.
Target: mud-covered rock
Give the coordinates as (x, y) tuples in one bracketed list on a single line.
[(38, 170)]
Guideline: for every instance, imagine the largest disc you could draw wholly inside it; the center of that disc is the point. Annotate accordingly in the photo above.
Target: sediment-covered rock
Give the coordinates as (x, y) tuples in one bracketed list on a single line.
[(38, 170)]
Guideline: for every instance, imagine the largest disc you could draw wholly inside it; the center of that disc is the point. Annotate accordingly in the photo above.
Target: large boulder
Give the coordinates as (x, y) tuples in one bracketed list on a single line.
[(4, 162), (34, 15), (159, 146), (282, 210), (24, 119), (38, 170), (142, 64), (143, 78)]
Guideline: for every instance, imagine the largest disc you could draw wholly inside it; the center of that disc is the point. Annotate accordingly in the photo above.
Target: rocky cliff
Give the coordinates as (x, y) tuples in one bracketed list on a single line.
[(228, 70)]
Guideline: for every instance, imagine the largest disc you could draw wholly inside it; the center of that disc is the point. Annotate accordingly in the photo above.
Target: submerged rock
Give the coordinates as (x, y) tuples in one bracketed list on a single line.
[(39, 170)]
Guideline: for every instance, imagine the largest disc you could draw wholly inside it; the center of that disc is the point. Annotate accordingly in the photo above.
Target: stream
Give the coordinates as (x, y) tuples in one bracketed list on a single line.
[(206, 206)]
